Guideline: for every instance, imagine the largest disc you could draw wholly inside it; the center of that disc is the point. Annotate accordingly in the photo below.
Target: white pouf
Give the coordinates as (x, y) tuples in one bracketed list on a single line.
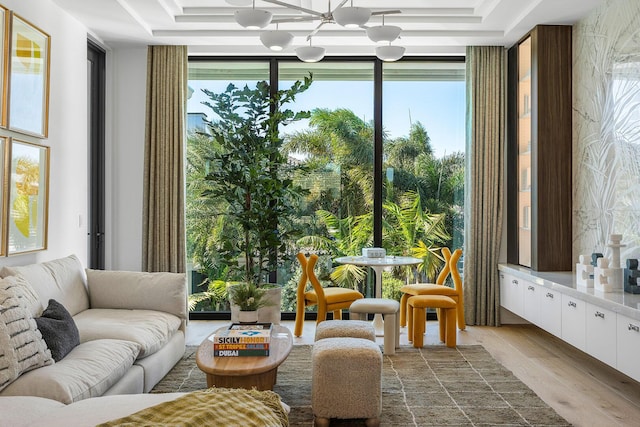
[(345, 329)]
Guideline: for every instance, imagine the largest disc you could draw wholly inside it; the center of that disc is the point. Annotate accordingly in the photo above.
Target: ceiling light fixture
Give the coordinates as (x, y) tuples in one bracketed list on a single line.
[(310, 53), (352, 17), (253, 18), (390, 53), (276, 40), (239, 2), (383, 33)]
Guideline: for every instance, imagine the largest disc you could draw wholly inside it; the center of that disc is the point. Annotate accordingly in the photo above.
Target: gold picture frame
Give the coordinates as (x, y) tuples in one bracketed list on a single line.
[(4, 62), (28, 87), (4, 141), (28, 197)]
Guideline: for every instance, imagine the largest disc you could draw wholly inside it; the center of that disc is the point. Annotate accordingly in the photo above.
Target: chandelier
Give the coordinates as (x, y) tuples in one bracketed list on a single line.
[(346, 16)]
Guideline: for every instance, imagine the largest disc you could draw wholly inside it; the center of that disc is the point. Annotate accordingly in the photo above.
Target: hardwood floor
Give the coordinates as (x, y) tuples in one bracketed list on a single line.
[(583, 390)]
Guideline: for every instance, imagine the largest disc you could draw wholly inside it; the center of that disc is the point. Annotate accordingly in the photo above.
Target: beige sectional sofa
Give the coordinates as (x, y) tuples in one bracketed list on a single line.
[(131, 328), (30, 411)]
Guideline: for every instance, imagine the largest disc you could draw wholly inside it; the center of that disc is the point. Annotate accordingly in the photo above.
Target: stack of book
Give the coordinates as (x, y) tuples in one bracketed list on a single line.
[(243, 340)]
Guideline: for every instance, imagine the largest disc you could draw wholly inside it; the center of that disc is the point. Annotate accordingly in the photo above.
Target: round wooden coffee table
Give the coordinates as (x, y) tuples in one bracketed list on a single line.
[(245, 371)]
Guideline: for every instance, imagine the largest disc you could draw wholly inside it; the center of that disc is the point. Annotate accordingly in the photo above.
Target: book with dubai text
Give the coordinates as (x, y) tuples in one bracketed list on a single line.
[(243, 339)]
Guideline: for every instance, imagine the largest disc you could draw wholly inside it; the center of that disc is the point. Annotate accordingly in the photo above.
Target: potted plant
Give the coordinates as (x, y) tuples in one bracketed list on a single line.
[(249, 298), (249, 178)]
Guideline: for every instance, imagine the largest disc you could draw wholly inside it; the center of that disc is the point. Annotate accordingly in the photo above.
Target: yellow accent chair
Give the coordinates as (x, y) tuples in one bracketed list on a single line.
[(333, 299), (448, 308), (438, 288)]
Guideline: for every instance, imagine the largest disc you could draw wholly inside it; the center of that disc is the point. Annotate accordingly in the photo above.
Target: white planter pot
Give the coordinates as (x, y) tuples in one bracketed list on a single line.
[(268, 314), (247, 316)]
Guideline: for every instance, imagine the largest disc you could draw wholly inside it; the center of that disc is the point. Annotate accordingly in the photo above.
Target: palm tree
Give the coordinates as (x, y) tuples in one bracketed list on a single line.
[(339, 140)]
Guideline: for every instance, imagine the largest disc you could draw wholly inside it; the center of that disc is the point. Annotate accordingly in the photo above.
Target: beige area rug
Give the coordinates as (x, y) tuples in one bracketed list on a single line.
[(432, 386)]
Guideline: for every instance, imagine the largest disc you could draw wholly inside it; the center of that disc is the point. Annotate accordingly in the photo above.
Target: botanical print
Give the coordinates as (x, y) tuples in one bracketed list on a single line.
[(28, 197), (606, 136), (28, 96)]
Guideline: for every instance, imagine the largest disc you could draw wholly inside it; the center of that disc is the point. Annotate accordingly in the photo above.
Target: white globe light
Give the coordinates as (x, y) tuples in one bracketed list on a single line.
[(351, 17), (383, 33), (390, 53), (310, 53), (253, 19), (276, 40)]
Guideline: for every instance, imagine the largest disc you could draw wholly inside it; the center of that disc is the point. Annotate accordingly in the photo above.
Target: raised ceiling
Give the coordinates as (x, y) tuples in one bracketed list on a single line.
[(429, 27)]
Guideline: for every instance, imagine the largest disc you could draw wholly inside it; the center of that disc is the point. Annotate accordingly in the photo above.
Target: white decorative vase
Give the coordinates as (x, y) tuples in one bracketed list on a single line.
[(248, 316), (271, 313)]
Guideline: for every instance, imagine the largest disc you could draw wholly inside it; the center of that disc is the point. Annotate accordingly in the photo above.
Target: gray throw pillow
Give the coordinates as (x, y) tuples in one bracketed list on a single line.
[(58, 330)]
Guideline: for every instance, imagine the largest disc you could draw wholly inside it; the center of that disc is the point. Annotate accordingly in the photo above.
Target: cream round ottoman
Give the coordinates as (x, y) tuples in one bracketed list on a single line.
[(345, 329), (387, 307), (346, 380)]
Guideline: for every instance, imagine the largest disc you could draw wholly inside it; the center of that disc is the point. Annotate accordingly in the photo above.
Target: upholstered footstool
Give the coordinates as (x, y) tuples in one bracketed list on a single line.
[(389, 309), (345, 329), (346, 380)]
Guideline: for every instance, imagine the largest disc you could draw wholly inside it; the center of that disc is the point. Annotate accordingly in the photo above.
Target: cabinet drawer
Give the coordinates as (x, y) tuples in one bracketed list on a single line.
[(531, 303), (601, 334), (551, 311), (511, 295), (628, 346), (574, 321)]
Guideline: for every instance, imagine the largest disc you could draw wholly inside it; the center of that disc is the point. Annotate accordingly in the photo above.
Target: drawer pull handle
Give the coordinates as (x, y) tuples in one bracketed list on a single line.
[(599, 314), (633, 327), (549, 295), (501, 276), (531, 288), (514, 281), (572, 304)]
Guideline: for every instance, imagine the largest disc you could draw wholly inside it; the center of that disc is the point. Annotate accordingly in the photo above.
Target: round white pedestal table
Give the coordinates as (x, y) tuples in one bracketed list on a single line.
[(378, 265)]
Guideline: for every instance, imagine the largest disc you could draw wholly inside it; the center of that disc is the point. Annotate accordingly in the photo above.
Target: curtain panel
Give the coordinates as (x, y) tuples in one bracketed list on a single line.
[(485, 139), (165, 129)]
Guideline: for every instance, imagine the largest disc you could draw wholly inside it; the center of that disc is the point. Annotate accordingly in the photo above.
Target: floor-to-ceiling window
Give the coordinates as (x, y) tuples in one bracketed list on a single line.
[(333, 154)]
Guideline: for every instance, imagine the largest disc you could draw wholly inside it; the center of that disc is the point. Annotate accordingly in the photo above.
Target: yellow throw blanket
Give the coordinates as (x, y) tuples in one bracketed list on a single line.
[(213, 407)]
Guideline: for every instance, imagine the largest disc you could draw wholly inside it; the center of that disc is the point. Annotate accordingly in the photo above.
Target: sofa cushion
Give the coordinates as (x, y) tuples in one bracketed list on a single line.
[(88, 370), (61, 279), (19, 411), (21, 345), (58, 330), (138, 290), (150, 329), (97, 410)]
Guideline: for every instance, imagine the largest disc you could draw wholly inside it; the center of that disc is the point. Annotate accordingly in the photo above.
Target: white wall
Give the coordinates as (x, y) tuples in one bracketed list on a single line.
[(606, 129), (125, 129), (67, 132)]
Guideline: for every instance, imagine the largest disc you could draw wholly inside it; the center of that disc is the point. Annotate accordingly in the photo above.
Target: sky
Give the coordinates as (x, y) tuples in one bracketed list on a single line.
[(439, 106)]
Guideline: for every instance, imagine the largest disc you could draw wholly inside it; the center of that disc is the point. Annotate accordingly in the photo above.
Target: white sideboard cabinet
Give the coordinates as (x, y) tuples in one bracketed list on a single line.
[(604, 325), (601, 324)]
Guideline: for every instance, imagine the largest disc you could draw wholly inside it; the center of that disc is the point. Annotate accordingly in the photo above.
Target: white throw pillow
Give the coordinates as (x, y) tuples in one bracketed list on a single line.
[(28, 295), (21, 345)]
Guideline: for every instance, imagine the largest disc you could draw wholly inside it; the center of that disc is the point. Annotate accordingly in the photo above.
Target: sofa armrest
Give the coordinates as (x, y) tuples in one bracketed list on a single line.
[(138, 290)]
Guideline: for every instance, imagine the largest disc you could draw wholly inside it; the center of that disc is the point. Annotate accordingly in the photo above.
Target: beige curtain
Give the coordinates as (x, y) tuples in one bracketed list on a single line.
[(486, 100), (163, 211)]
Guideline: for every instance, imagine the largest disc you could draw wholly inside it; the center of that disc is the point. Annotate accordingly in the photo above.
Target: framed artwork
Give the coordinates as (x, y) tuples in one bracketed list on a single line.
[(28, 193), (4, 45), (28, 108), (3, 192)]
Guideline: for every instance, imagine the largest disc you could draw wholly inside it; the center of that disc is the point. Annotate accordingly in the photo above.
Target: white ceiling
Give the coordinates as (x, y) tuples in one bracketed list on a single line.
[(430, 27)]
